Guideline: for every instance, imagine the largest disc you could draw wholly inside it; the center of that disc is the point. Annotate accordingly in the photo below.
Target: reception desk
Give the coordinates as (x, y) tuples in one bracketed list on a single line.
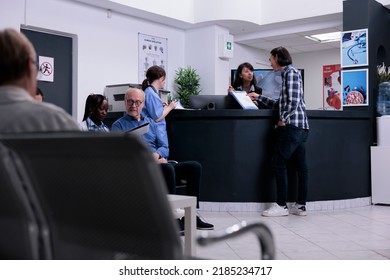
[(235, 148)]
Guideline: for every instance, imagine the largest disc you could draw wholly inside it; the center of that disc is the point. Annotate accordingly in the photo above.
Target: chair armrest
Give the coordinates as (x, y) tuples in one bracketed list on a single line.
[(172, 161), (262, 232)]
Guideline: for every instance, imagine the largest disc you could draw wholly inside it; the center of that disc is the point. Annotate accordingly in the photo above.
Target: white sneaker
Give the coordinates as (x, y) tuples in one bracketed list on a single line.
[(298, 209), (178, 213), (275, 211)]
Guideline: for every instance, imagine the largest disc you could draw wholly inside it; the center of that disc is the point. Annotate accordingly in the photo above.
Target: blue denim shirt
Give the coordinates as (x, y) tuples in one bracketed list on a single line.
[(157, 141)]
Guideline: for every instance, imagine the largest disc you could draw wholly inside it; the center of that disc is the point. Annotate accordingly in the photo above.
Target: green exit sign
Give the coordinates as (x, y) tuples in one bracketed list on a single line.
[(229, 46)]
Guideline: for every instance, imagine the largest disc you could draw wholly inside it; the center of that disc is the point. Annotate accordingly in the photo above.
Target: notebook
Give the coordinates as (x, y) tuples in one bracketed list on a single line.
[(244, 100)]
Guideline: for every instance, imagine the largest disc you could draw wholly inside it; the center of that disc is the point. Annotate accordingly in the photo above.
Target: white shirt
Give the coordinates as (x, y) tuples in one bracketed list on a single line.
[(19, 112)]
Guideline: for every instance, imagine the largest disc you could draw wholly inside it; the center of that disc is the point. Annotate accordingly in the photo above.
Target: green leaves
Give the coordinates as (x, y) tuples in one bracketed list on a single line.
[(187, 83)]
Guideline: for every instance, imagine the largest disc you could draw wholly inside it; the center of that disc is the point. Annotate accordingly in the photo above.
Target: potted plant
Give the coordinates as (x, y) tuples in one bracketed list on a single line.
[(187, 84)]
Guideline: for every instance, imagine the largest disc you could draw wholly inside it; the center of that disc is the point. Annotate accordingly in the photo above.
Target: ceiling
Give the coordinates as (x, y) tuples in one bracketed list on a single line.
[(290, 34)]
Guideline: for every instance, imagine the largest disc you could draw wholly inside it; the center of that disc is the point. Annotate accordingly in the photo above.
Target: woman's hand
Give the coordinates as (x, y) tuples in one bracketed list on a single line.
[(230, 89), (172, 105), (253, 95)]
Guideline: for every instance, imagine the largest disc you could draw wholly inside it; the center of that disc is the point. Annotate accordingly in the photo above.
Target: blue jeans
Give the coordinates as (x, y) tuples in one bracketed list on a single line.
[(290, 145)]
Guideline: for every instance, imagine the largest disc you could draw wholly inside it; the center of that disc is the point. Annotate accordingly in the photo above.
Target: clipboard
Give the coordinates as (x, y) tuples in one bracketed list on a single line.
[(139, 130), (245, 101)]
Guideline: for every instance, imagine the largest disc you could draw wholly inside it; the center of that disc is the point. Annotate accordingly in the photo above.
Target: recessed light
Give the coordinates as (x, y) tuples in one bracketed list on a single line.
[(326, 37)]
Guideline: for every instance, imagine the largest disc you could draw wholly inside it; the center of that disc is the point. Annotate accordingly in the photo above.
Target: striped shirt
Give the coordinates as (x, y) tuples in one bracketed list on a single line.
[(291, 102)]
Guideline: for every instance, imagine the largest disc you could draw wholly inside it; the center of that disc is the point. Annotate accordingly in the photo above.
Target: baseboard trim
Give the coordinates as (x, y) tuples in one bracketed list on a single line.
[(327, 205)]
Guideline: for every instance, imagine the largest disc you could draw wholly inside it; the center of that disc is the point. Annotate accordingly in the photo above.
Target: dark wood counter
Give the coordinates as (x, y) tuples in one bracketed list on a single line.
[(235, 147)]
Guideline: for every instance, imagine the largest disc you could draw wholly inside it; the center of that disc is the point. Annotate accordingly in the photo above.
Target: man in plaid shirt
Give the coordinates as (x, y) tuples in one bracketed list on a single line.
[(292, 131)]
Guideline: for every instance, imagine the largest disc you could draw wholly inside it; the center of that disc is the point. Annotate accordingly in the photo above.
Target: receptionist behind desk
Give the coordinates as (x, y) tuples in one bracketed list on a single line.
[(244, 79)]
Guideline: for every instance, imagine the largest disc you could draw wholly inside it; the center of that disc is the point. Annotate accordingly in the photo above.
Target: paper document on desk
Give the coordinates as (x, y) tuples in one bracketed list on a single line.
[(181, 107), (244, 100), (139, 130)]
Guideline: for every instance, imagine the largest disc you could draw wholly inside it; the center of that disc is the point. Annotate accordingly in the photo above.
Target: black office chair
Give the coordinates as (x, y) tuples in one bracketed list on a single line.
[(103, 196), (19, 230)]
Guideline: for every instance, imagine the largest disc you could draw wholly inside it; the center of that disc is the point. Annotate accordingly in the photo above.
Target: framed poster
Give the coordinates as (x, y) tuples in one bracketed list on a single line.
[(152, 50), (354, 48), (355, 87), (332, 93)]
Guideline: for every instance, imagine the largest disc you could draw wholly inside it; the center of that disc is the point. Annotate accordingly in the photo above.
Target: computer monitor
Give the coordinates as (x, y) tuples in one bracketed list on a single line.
[(213, 102), (268, 79)]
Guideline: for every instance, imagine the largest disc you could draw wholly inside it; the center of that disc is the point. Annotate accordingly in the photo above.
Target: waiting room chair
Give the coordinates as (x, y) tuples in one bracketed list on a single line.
[(102, 195), (19, 230)]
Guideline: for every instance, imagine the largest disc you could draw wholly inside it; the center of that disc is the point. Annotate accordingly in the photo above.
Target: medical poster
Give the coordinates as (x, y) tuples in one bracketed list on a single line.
[(355, 87), (152, 50), (354, 48), (332, 93)]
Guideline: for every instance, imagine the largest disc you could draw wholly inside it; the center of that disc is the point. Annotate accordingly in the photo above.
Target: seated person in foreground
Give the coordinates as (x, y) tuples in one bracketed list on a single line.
[(19, 112), (190, 171)]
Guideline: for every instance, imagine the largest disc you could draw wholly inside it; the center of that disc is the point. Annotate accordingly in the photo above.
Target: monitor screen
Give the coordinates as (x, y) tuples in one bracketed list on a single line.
[(268, 79)]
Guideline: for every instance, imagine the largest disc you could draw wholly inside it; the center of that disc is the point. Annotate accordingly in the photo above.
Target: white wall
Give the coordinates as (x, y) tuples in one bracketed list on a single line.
[(107, 47), (312, 63), (202, 52)]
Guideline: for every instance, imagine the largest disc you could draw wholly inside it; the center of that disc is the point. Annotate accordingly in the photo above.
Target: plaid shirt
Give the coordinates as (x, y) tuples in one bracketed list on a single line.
[(291, 102)]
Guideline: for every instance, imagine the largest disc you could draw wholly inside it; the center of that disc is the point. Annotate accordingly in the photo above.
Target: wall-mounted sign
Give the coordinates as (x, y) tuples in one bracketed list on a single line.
[(355, 87), (354, 48), (152, 50), (332, 93), (46, 69)]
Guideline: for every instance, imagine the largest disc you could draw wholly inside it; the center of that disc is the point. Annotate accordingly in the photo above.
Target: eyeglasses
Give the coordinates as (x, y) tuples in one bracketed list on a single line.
[(137, 103), (37, 67), (35, 64)]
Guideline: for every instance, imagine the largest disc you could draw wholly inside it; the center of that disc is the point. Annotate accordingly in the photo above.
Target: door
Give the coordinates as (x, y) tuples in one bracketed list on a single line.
[(60, 48)]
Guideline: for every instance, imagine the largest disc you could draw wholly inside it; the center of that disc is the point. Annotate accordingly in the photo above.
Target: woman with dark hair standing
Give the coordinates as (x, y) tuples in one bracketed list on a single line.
[(96, 107), (292, 131), (244, 80), (154, 107)]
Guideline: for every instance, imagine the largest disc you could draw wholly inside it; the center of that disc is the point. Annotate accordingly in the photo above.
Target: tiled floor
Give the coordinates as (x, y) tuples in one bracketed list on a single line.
[(361, 233)]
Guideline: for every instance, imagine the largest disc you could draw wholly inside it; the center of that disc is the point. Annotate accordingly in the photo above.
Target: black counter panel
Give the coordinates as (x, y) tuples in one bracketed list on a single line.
[(235, 149)]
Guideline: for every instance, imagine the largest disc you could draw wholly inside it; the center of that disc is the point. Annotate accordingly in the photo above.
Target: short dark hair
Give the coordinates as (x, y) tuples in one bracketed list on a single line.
[(282, 56)]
